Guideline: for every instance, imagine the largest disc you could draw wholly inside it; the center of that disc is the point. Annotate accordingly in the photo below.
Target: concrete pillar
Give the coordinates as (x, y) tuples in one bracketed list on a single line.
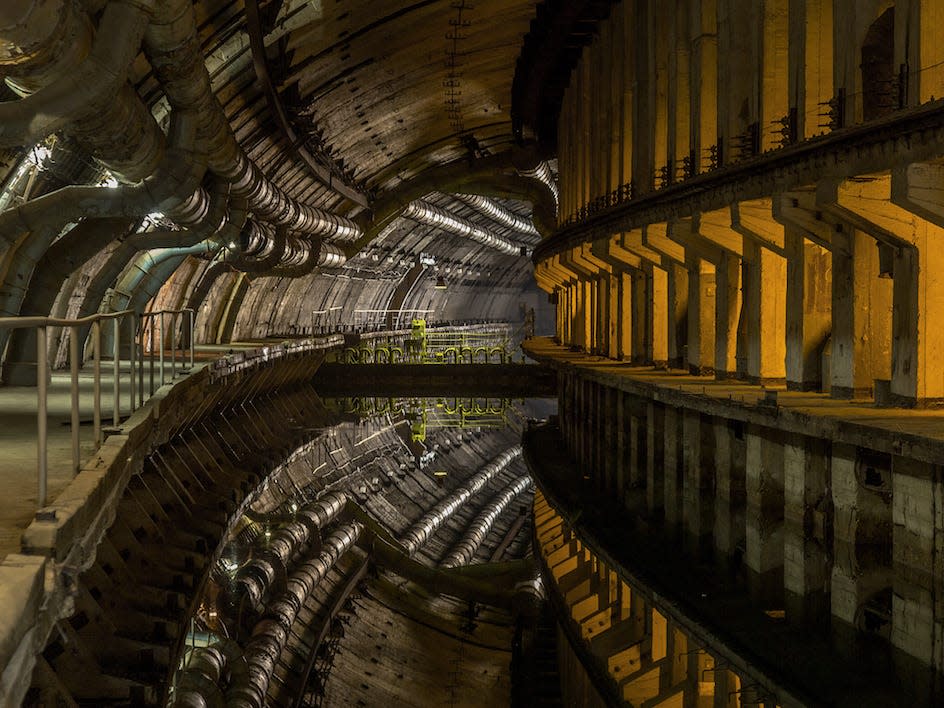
[(625, 322), (765, 309), (704, 83), (655, 459), (774, 73), (657, 347), (680, 90), (701, 316), (809, 310), (860, 349), (678, 314), (672, 471), (728, 315), (640, 317), (613, 315), (698, 477), (622, 444), (608, 420), (862, 535), (764, 486), (806, 568), (917, 540), (811, 62), (730, 490)]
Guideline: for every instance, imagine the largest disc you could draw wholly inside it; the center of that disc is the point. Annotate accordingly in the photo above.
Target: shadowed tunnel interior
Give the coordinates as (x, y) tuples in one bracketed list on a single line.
[(471, 353)]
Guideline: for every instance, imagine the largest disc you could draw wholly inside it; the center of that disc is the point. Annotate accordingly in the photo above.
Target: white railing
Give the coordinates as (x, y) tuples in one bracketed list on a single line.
[(137, 354), (329, 320)]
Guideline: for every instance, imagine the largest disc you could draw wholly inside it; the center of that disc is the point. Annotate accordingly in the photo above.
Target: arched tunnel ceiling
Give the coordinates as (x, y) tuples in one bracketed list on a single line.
[(355, 108), (382, 89)]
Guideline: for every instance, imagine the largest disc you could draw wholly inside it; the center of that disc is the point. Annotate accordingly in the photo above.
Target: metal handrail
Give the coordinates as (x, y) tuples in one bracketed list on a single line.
[(43, 373), (136, 383), (160, 316)]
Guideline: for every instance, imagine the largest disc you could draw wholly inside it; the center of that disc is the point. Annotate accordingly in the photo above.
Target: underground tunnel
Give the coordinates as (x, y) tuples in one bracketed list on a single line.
[(471, 353)]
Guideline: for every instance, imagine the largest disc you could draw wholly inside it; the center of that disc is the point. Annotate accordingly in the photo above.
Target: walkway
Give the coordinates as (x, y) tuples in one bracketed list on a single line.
[(917, 433), (18, 434)]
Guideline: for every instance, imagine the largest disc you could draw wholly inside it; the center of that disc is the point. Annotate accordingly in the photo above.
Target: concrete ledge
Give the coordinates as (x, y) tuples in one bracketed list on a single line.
[(912, 433), (22, 587)]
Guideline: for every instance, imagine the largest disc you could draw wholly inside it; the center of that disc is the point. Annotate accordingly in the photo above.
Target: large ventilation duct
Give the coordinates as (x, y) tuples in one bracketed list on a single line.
[(52, 48), (173, 189), (173, 50), (426, 213), (464, 551), (199, 684), (422, 530), (501, 215), (331, 256), (124, 128)]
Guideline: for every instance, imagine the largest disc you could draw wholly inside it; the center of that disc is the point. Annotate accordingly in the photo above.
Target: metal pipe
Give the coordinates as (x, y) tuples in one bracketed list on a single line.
[(97, 386), (253, 580), (422, 530), (42, 372), (74, 386), (270, 634), (116, 374), (192, 318), (132, 351), (160, 344), (501, 215), (426, 213), (173, 345), (464, 551)]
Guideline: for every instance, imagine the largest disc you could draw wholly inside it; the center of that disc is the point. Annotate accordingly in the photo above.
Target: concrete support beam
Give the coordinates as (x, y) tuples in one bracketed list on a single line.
[(657, 316), (765, 309), (862, 527), (730, 489), (698, 477), (655, 459), (656, 237), (860, 346), (625, 319), (701, 316), (809, 311), (678, 314), (727, 315), (918, 534), (806, 567)]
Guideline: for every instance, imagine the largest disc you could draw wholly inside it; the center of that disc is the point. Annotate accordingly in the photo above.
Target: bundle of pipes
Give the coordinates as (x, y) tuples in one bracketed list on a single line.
[(253, 580), (423, 529), (501, 215), (542, 172), (271, 633), (426, 213), (64, 66), (464, 551)]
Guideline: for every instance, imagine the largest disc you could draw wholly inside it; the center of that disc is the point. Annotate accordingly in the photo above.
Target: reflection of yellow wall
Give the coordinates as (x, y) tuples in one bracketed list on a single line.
[(648, 656)]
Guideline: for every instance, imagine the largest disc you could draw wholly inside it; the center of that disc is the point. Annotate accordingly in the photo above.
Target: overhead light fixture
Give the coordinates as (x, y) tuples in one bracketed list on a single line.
[(439, 473), (440, 282)]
